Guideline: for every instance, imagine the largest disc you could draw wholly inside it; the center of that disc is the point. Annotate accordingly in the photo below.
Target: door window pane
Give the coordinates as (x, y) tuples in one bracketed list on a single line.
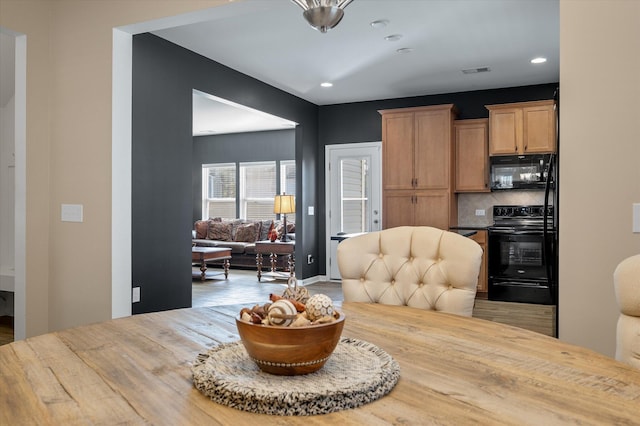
[(354, 196)]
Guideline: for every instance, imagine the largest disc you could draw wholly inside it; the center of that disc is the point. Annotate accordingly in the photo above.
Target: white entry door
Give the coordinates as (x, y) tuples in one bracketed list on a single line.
[(353, 194)]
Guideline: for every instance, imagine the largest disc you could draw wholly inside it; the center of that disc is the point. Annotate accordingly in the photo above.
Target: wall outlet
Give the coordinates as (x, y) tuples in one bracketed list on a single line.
[(309, 259), (135, 295), (480, 212)]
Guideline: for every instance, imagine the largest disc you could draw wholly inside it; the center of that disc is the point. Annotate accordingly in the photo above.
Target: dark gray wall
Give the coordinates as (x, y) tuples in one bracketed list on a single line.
[(164, 76), (238, 147)]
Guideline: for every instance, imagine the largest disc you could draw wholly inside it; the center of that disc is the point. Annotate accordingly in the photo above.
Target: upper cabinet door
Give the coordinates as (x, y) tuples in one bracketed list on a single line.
[(505, 131), (432, 158), (539, 129), (471, 165), (522, 128), (397, 147)]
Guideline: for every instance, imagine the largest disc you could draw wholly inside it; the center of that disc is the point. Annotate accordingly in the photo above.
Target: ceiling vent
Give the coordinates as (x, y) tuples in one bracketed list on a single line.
[(476, 70)]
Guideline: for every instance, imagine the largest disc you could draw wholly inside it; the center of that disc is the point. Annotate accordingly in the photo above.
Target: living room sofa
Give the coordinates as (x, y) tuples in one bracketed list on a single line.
[(240, 236)]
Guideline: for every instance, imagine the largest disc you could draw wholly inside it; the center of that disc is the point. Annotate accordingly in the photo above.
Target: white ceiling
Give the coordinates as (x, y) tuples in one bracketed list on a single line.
[(271, 41)]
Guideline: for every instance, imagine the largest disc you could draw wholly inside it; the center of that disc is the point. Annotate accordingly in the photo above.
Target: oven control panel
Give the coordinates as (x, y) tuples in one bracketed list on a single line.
[(521, 212)]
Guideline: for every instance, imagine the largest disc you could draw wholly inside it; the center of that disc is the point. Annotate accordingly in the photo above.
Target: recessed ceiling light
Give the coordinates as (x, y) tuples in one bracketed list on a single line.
[(380, 23), (393, 37), (539, 60), (326, 84), (404, 50)]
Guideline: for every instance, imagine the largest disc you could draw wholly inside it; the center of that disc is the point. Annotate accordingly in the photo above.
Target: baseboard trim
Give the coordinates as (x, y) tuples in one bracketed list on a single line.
[(313, 280)]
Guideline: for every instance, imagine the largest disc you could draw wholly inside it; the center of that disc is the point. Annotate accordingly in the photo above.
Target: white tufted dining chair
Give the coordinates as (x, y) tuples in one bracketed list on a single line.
[(626, 281), (417, 266)]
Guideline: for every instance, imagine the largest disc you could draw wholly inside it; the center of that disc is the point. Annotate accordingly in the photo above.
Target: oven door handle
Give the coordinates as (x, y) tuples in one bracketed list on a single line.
[(515, 232)]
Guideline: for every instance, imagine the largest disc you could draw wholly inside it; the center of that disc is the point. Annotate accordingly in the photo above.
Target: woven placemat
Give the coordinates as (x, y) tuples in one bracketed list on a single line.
[(357, 373)]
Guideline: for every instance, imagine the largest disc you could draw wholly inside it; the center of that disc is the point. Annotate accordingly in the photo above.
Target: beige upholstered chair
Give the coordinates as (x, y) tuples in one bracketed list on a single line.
[(420, 266), (626, 280)]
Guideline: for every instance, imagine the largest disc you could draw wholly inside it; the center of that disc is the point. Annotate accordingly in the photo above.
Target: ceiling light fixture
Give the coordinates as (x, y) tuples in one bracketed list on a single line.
[(404, 50), (326, 84), (323, 14), (539, 60)]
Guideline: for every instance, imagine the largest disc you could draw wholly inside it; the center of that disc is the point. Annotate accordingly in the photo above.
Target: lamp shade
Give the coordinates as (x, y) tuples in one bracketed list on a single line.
[(284, 204)]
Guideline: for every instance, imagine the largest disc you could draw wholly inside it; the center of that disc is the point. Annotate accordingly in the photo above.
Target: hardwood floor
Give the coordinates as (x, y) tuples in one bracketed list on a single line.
[(242, 287), (538, 318)]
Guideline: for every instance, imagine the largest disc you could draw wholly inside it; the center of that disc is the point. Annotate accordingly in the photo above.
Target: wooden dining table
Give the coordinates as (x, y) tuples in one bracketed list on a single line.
[(453, 370)]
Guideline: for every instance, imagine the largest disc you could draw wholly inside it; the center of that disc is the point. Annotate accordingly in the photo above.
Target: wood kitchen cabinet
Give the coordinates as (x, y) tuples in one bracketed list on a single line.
[(522, 128), (421, 208), (472, 155), (480, 237), (417, 166)]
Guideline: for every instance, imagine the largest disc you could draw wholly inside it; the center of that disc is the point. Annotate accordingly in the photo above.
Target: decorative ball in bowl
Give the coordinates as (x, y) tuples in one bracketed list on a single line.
[(290, 351)]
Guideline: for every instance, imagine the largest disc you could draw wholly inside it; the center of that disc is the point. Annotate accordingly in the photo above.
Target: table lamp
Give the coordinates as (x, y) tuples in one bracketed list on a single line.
[(284, 204)]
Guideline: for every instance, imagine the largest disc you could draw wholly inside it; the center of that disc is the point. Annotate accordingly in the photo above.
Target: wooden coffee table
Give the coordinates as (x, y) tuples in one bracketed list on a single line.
[(202, 255)]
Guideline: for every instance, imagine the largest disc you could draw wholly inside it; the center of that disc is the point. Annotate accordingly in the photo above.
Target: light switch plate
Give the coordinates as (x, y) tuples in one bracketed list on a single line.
[(636, 218), (71, 213), (480, 212), (311, 211)]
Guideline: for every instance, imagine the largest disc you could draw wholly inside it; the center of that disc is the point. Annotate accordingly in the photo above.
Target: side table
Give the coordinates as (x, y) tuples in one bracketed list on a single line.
[(273, 249)]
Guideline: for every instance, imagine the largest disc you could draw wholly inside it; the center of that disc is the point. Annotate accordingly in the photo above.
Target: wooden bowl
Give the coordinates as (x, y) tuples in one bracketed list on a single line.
[(290, 351)]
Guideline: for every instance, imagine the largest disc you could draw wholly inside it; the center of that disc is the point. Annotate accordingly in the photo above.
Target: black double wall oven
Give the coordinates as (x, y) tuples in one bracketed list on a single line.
[(522, 255)]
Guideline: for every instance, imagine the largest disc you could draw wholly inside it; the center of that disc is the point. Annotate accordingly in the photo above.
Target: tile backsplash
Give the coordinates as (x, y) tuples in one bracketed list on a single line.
[(468, 203)]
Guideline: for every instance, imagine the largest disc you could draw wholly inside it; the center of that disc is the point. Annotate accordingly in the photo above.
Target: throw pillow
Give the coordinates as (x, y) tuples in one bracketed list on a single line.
[(234, 225), (202, 229), (247, 233), (219, 231), (291, 228), (264, 229)]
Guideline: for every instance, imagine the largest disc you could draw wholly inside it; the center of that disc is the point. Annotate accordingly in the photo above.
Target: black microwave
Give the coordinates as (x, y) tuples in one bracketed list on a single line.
[(520, 171)]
